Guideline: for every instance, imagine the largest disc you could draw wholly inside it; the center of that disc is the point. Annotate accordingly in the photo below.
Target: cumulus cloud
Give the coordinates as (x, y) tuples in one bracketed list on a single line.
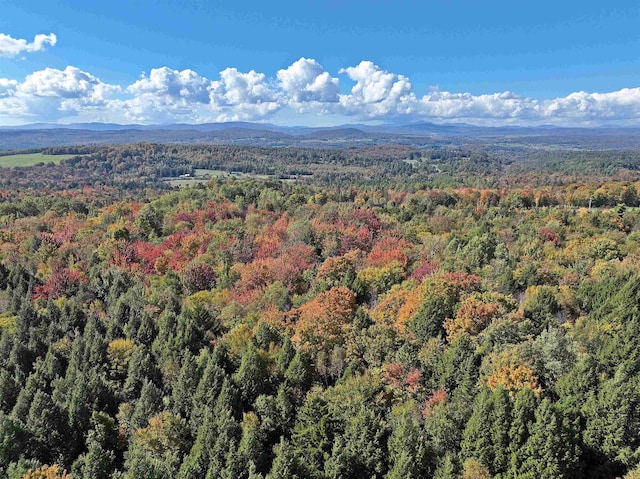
[(11, 47), (447, 105), (70, 83), (51, 93), (173, 86), (307, 81), (7, 87), (621, 104), (304, 88), (377, 92), (166, 95), (243, 96)]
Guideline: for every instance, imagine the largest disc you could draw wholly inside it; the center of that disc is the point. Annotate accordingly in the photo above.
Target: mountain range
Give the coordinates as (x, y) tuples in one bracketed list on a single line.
[(39, 135)]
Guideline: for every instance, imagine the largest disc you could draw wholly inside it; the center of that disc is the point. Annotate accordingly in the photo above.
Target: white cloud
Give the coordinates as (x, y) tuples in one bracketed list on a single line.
[(51, 94), (377, 92), (70, 83), (11, 47), (243, 96), (173, 86), (165, 95), (7, 87), (168, 95), (307, 81), (621, 104), (446, 105), (301, 93)]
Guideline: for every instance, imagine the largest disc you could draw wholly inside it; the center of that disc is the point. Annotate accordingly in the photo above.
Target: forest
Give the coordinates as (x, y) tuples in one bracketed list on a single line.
[(389, 312)]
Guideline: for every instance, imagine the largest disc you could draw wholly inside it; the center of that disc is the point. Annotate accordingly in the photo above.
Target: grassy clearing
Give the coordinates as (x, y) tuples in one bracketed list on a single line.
[(203, 176), (211, 173), (30, 159)]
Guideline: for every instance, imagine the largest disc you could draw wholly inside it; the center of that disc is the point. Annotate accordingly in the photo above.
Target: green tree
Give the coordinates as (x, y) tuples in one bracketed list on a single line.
[(550, 450), (409, 455), (313, 435), (286, 464), (252, 377), (361, 450)]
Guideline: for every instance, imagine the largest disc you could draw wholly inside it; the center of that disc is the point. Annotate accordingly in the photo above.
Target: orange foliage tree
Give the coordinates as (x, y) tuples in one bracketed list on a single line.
[(476, 311), (323, 321)]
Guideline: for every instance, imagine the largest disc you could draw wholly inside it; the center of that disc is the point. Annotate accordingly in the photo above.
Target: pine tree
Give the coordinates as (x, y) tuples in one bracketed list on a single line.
[(477, 440), (207, 391), (13, 440), (142, 368), (227, 430), (9, 390), (613, 420), (285, 355), (103, 443), (286, 464), (252, 377), (299, 373), (148, 405), (47, 425), (361, 451), (408, 450), (524, 407), (196, 464), (313, 435), (447, 468), (500, 425), (185, 386), (550, 450)]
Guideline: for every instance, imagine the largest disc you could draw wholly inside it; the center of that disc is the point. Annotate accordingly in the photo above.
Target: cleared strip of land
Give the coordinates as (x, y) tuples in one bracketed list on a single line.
[(30, 159)]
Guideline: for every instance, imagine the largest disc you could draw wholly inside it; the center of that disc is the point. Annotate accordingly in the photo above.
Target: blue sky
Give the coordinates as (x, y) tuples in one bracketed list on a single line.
[(320, 61)]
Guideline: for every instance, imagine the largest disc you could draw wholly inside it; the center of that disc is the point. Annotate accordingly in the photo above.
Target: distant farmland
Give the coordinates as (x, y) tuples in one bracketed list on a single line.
[(30, 159)]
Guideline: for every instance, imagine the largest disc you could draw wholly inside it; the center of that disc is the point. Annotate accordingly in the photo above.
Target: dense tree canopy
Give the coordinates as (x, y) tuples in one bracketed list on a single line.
[(251, 328)]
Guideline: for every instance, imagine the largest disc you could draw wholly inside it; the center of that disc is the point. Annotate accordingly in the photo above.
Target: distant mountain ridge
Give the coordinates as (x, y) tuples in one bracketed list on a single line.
[(40, 135), (417, 127)]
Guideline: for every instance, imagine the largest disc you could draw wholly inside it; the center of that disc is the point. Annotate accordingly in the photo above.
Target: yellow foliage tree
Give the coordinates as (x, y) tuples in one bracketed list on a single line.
[(473, 469), (165, 434), (514, 378), (386, 311), (119, 353), (47, 472)]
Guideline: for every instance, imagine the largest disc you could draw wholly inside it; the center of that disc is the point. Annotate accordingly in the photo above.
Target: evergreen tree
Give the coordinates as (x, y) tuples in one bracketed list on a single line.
[(299, 373), (613, 421), (550, 450), (185, 386), (252, 377), (524, 408), (148, 405), (207, 391), (408, 450), (477, 440), (361, 451), (286, 464), (313, 435), (9, 390), (285, 355), (13, 440), (47, 426)]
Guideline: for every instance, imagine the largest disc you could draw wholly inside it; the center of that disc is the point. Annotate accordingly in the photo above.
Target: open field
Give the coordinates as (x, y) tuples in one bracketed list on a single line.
[(204, 175), (30, 159)]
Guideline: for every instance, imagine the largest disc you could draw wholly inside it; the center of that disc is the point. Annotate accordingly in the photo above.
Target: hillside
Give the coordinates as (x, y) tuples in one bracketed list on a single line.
[(447, 312)]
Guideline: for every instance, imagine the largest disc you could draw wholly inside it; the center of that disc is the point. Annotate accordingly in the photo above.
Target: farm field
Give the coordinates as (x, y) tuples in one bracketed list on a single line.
[(30, 159)]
